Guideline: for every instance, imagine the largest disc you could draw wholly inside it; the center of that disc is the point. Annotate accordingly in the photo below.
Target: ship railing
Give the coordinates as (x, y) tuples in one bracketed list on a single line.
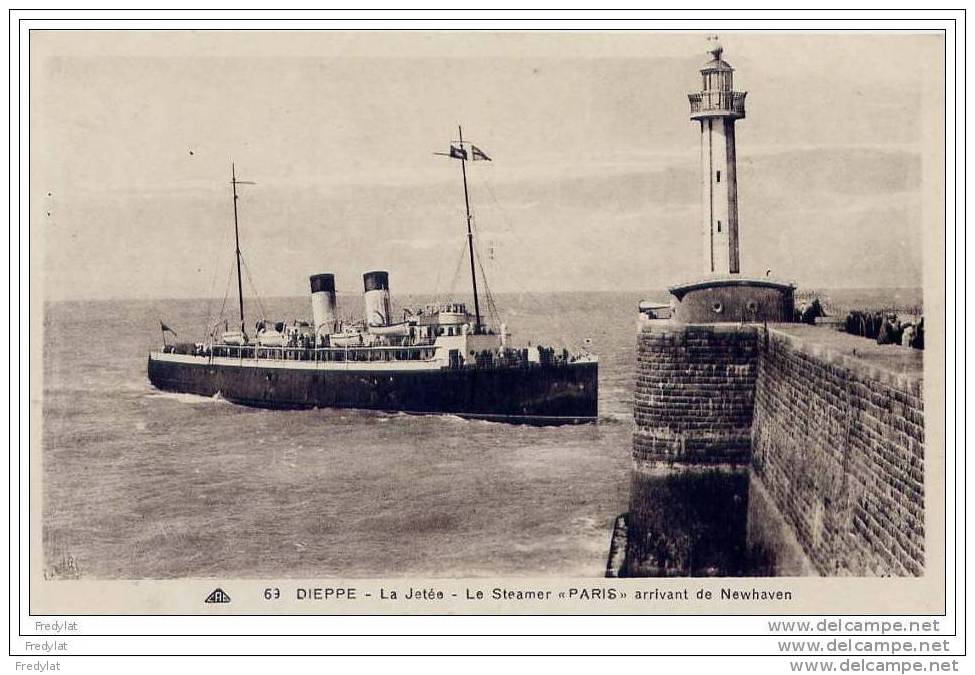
[(392, 354), (517, 358), (389, 353)]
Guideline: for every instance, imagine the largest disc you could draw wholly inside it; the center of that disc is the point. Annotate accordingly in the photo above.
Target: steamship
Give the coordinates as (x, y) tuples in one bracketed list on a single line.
[(439, 359)]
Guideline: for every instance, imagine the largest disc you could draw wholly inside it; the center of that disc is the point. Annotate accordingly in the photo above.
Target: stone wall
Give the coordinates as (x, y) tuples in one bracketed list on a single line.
[(832, 425), (694, 396), (838, 443), (694, 392), (687, 520)]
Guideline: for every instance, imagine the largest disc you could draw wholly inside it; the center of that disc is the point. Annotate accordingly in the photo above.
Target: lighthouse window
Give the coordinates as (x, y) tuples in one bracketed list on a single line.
[(719, 176)]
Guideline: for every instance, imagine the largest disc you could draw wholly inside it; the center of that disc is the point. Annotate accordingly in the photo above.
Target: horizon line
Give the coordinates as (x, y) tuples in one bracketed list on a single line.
[(434, 293)]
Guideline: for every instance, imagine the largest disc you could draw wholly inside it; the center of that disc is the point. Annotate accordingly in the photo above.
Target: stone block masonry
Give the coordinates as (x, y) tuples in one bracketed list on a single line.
[(831, 424), (694, 403), (695, 392), (838, 443)]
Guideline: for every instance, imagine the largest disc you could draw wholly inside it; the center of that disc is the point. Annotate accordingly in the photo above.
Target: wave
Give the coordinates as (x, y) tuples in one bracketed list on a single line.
[(452, 418), (192, 399), (615, 417), (388, 416)]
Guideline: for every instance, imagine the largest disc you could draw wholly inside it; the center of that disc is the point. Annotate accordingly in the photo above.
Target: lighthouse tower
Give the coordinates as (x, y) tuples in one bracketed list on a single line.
[(717, 107), (721, 294)]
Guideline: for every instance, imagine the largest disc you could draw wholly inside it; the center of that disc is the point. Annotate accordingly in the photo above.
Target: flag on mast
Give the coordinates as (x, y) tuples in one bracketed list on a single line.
[(457, 153), (477, 153), (164, 328)]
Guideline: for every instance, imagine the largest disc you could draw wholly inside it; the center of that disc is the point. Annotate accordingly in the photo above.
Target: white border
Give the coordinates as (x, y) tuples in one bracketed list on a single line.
[(614, 626)]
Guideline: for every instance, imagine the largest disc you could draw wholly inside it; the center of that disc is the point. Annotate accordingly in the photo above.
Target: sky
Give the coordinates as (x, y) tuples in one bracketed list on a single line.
[(594, 183)]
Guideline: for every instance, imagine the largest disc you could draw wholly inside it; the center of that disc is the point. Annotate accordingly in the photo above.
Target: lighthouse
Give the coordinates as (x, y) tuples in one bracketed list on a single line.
[(697, 360), (721, 294), (717, 107)]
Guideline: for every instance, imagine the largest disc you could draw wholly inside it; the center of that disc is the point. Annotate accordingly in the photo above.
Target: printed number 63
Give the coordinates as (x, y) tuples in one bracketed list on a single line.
[(272, 593)]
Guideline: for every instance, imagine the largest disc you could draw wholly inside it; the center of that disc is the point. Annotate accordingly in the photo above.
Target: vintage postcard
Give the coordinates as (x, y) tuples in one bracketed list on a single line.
[(487, 322)]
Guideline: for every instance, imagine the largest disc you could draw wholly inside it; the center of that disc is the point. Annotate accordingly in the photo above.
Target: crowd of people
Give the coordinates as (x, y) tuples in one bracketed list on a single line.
[(808, 312), (886, 328)]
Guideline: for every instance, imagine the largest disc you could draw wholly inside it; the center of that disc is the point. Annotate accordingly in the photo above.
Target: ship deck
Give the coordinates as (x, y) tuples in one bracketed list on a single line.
[(340, 365), (299, 364)]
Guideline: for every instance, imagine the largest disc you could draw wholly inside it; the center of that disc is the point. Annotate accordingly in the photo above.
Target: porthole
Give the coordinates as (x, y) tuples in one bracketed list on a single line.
[(717, 307), (752, 306)]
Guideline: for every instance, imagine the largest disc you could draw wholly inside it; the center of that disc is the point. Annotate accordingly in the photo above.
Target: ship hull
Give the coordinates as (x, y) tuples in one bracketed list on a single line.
[(564, 393)]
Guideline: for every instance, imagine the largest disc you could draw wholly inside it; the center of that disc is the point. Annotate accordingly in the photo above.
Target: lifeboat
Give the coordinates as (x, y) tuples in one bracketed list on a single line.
[(234, 337), (392, 330), (272, 338), (350, 338)]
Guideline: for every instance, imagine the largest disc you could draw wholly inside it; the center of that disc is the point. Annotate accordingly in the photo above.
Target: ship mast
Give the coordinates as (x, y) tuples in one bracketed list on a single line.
[(470, 235), (473, 154), (240, 283)]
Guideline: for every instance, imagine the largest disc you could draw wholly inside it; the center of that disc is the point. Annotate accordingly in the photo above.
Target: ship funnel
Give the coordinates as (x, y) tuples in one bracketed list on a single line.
[(376, 298), (323, 303)]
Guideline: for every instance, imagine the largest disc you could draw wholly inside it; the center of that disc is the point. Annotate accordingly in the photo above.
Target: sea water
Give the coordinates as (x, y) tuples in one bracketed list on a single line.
[(139, 483)]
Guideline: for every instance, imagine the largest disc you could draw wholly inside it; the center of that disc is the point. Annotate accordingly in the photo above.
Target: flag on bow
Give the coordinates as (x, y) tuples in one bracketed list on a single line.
[(166, 329)]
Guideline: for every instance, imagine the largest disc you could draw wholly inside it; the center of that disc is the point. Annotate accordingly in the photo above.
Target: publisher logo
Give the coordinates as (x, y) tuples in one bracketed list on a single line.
[(218, 596)]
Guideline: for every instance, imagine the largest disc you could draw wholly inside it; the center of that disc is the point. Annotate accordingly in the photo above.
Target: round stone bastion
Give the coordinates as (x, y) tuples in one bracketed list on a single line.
[(733, 299)]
